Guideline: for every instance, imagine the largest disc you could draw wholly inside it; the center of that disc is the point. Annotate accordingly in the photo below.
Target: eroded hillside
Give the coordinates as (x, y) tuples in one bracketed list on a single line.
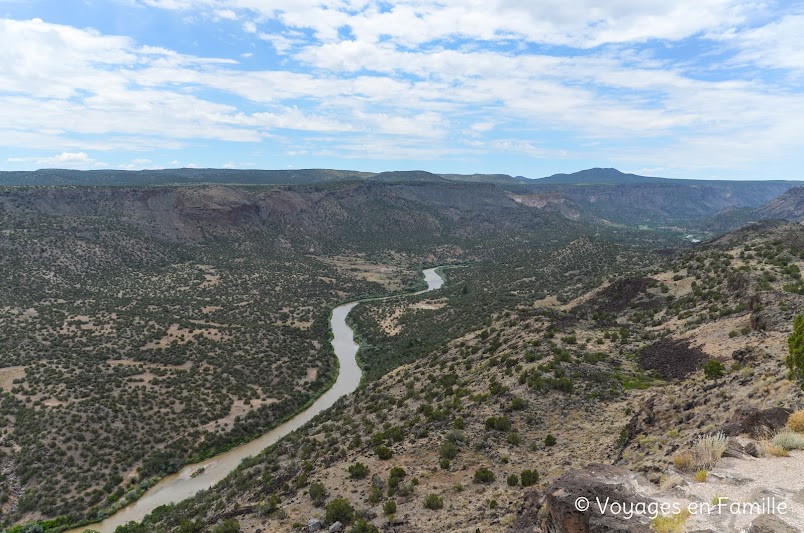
[(143, 328), (447, 442)]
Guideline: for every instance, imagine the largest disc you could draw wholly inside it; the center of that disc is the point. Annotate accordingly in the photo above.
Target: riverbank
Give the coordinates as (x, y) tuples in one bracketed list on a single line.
[(195, 477)]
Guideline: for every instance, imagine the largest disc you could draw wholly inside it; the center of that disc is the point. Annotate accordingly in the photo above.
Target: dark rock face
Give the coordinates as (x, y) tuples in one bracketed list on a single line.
[(672, 358), (769, 523), (596, 483), (756, 423), (621, 293)]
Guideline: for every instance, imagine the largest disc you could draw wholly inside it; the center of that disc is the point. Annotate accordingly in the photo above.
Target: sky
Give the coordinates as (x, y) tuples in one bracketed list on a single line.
[(685, 88)]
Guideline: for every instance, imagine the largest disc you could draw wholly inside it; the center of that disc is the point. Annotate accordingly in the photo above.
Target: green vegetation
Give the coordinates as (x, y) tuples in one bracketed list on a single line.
[(795, 343), (483, 475), (201, 335), (433, 502), (714, 369), (339, 510), (358, 471)]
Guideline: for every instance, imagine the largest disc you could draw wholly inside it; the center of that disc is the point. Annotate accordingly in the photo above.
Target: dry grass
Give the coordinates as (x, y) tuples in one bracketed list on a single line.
[(708, 450), (796, 422), (789, 440), (772, 450), (671, 524), (701, 475), (684, 461)]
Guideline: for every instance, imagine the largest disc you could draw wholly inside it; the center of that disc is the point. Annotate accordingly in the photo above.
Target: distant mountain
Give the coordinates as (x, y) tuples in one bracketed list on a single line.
[(179, 176), (789, 206), (194, 176), (501, 179), (407, 175), (610, 176), (611, 196)]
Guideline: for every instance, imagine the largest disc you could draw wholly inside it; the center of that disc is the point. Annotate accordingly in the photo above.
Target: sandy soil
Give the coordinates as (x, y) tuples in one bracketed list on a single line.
[(9, 374)]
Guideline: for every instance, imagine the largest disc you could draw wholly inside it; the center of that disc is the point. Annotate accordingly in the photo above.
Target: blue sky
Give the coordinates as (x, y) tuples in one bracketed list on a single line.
[(688, 88)]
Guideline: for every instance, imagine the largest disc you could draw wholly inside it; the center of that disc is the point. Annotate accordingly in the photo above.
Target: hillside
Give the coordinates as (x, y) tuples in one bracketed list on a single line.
[(665, 203), (196, 176), (597, 196), (143, 328), (147, 327), (494, 429), (789, 206)]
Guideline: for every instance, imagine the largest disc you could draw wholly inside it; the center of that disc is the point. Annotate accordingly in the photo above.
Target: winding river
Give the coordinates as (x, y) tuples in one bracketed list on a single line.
[(183, 485)]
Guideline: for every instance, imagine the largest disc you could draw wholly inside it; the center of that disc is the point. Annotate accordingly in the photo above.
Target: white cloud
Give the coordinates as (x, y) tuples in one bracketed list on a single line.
[(418, 79), (225, 14), (582, 23), (63, 160)]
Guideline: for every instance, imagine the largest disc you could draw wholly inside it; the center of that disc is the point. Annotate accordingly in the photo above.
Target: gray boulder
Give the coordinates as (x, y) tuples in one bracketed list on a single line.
[(769, 523), (597, 482)]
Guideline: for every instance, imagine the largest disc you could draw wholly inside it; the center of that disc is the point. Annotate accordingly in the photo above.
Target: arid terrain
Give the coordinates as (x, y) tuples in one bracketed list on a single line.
[(147, 328)]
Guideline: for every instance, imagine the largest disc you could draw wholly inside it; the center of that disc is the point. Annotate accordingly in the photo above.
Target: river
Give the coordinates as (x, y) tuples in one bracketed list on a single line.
[(182, 485)]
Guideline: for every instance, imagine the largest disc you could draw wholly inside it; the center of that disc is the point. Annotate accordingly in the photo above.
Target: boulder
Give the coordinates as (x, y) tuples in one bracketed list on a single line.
[(751, 449), (314, 524), (596, 483), (734, 449), (769, 523), (755, 422), (337, 527)]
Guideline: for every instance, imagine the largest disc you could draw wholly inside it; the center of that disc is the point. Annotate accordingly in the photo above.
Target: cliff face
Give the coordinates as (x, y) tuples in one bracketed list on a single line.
[(789, 206), (342, 212)]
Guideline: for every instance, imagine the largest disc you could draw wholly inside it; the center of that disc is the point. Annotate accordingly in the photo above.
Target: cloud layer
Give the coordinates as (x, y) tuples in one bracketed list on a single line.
[(699, 88)]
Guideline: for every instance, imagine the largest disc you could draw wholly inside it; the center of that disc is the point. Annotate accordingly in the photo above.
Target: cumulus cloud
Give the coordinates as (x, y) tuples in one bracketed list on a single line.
[(419, 78)]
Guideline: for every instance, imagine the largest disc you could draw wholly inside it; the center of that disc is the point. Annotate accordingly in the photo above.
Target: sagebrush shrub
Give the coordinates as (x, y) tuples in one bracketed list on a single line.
[(708, 450), (796, 422)]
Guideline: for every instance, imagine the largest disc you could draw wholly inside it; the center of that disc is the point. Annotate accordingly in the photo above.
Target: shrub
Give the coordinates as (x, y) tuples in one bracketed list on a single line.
[(796, 422), (708, 450), (396, 475), (318, 493), (227, 526), (795, 345), (362, 526), (683, 461), (389, 507), (484, 475), (769, 449), (714, 369), (358, 471), (375, 494), (383, 452), (701, 475), (529, 477), (444, 464), (549, 440), (433, 502), (339, 510), (513, 480), (500, 423), (671, 524), (789, 440), (448, 450)]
